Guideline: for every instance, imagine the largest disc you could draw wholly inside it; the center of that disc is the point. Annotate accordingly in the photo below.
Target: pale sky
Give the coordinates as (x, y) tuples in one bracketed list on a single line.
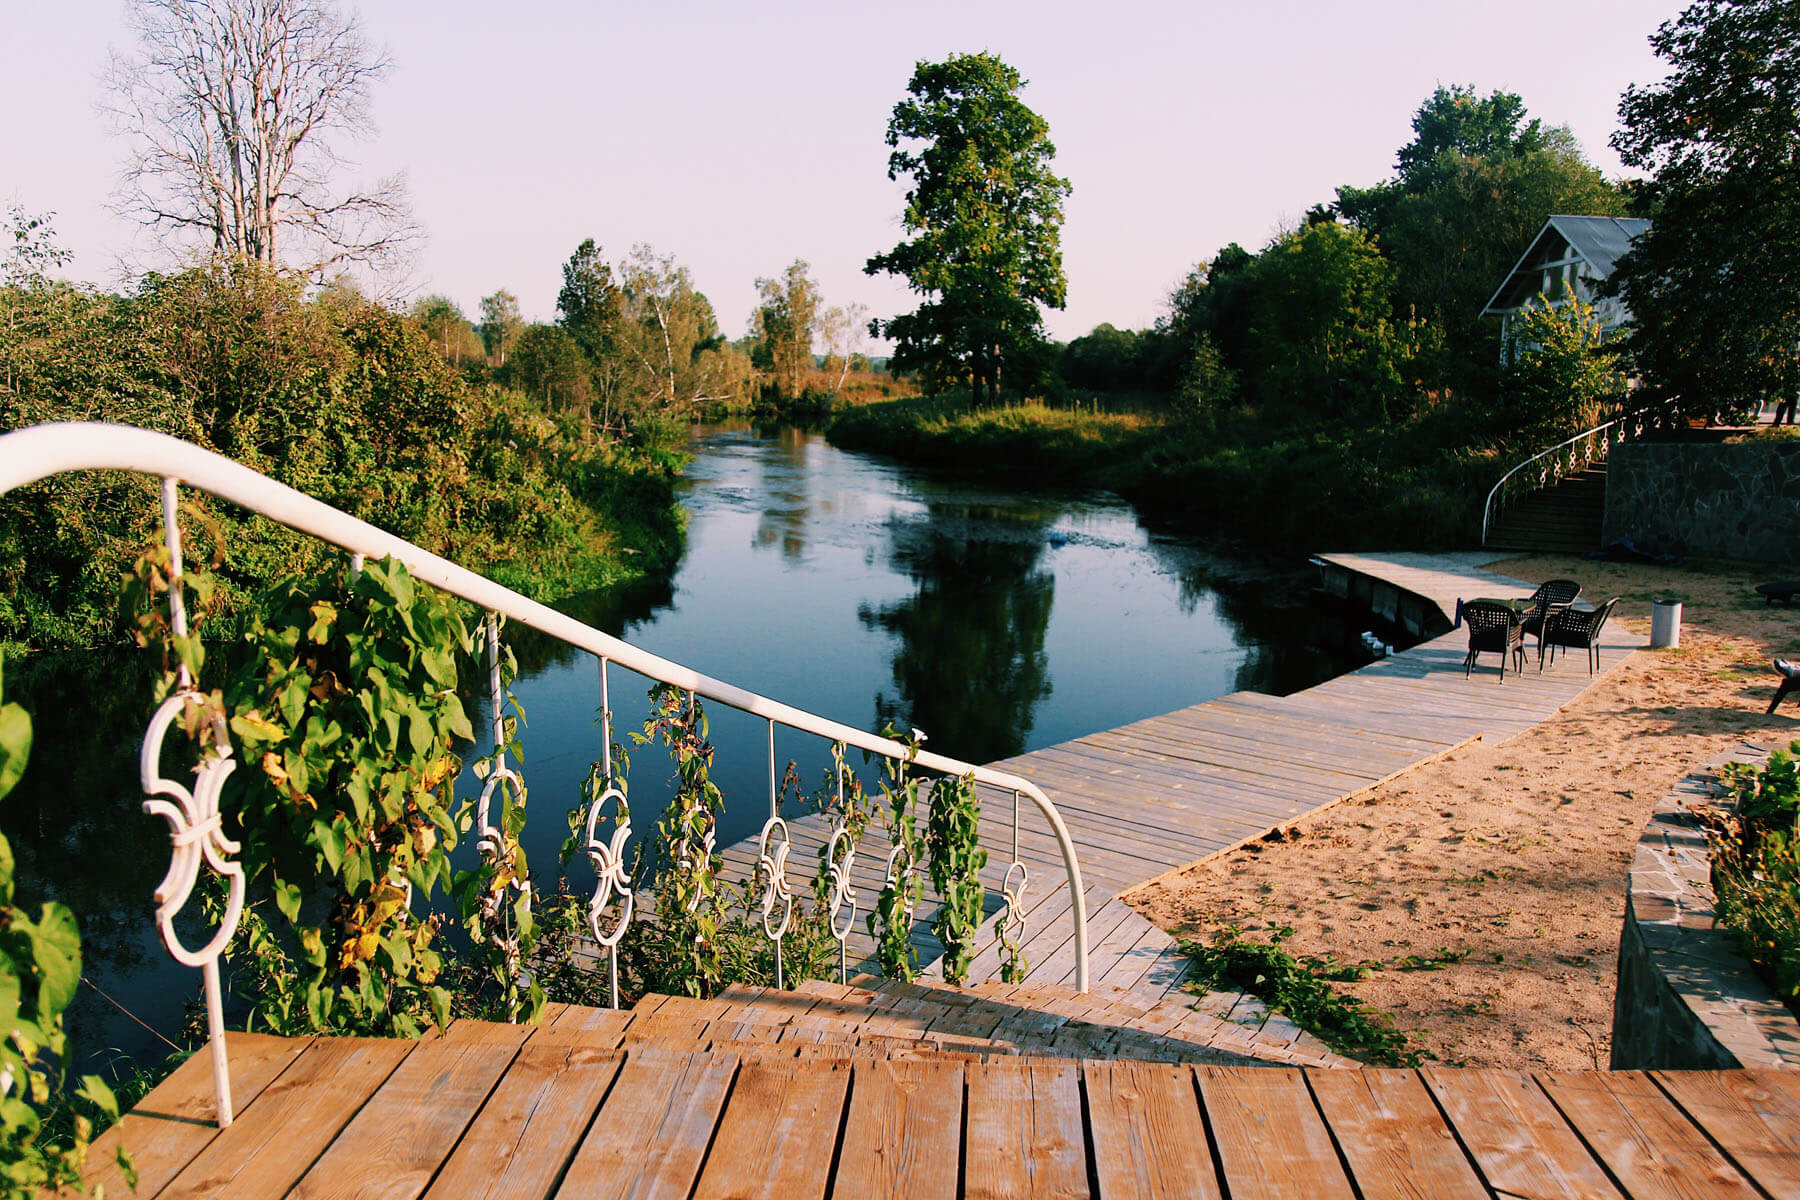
[(738, 138)]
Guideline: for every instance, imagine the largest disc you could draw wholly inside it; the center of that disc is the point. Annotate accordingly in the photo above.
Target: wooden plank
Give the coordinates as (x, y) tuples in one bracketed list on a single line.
[(294, 1119), (1271, 1139), (778, 1132), (651, 1134), (1397, 1143), (1025, 1138), (1149, 1139), (167, 1128), (903, 1134), (1755, 1123), (1520, 1143), (394, 1146), (528, 1130), (1644, 1140)]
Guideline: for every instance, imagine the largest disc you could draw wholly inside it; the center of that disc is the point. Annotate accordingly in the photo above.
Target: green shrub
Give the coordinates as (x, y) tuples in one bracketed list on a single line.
[(1756, 870)]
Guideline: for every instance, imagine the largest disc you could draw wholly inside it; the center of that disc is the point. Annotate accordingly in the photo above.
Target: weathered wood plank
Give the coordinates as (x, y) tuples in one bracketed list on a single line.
[(1271, 1140), (778, 1133), (178, 1120), (530, 1127), (1148, 1138), (1757, 1124), (393, 1147), (1397, 1143), (1519, 1142), (1026, 1140), (650, 1136), (1644, 1140), (903, 1134), (294, 1119)]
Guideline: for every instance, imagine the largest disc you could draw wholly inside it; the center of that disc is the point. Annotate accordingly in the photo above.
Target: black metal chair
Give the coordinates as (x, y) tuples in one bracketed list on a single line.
[(1551, 595), (1494, 627), (1568, 628)]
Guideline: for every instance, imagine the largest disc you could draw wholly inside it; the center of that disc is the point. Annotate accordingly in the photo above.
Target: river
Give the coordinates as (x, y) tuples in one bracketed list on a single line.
[(995, 620)]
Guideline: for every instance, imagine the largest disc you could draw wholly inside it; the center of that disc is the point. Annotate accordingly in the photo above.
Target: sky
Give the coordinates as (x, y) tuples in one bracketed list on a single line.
[(738, 138)]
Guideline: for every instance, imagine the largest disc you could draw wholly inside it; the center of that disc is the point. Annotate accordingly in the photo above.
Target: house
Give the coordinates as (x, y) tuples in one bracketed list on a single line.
[(1570, 257)]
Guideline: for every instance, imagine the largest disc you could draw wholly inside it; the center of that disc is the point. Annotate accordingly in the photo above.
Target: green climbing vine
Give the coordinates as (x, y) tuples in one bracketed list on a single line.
[(494, 897), (953, 840), (890, 923)]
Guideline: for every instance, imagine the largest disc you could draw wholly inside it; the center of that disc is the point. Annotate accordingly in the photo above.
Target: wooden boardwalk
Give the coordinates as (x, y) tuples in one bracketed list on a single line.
[(566, 1110), (1156, 795)]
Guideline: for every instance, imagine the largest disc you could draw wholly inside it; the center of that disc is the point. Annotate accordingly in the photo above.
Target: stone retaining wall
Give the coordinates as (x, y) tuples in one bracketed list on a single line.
[(1718, 501), (1686, 999)]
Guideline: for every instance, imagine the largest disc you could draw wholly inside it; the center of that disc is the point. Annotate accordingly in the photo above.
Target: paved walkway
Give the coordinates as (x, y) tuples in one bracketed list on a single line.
[(1153, 796)]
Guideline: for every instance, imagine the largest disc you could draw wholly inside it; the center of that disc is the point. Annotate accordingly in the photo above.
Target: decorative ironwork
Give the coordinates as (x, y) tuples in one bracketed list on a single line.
[(32, 454), (1011, 924), (841, 891), (498, 849), (196, 832), (771, 873), (611, 881)]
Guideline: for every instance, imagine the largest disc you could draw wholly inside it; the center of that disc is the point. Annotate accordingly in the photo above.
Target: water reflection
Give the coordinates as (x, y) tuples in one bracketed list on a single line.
[(969, 663)]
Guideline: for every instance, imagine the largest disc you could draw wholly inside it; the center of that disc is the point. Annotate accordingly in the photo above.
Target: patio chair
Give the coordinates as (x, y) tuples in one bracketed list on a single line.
[(1568, 628), (1551, 594), (1494, 627)]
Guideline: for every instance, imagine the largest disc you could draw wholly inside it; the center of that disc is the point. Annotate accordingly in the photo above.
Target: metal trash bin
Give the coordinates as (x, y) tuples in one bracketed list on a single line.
[(1665, 624)]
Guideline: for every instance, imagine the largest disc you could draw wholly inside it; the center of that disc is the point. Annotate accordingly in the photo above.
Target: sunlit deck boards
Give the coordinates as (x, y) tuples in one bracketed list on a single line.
[(1149, 797), (501, 1112)]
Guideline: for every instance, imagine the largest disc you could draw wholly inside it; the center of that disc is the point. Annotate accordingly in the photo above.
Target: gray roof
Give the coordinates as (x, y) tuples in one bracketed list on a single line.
[(1600, 241)]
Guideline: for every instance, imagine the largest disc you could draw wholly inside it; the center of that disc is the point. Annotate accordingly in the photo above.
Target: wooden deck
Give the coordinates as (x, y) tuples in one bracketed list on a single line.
[(505, 1111), (1153, 796)]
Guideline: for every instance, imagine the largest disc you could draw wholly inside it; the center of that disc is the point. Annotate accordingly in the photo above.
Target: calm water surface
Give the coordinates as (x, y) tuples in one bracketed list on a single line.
[(994, 620)]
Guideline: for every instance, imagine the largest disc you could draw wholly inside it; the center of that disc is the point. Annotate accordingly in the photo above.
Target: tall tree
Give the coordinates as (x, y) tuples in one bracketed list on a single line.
[(785, 321), (984, 211), (233, 108), (591, 307), (500, 325), (1472, 187), (669, 337), (446, 326), (1712, 284)]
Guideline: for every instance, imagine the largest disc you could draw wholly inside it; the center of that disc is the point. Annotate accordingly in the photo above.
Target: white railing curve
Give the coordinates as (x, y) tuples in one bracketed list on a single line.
[(1563, 459), (36, 453)]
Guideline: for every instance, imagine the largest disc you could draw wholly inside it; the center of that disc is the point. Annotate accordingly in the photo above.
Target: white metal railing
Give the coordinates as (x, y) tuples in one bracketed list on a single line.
[(1563, 459), (196, 831)]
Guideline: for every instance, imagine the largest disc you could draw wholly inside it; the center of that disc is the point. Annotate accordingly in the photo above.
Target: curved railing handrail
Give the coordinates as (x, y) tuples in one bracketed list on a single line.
[(28, 455), (1623, 423)]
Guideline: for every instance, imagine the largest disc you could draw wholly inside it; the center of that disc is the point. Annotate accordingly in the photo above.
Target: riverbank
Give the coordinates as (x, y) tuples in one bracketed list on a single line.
[(1295, 485), (1491, 882)]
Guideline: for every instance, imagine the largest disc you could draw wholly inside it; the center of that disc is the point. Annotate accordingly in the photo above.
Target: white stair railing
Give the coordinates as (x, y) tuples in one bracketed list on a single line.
[(1547, 468), (29, 455)]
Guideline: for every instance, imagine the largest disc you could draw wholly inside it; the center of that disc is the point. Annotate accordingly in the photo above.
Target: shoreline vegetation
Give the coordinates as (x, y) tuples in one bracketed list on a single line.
[(1292, 489)]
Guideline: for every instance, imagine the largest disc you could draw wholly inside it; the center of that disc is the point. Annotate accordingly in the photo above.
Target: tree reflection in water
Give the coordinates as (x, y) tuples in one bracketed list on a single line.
[(969, 666)]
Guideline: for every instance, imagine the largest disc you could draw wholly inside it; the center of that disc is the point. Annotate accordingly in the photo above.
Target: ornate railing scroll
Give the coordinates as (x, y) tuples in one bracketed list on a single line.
[(1010, 928), (612, 883), (498, 847), (195, 829), (28, 455), (1550, 467)]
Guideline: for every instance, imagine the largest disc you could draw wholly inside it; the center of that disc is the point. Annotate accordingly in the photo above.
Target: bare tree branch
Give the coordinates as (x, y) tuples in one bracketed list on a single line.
[(232, 107)]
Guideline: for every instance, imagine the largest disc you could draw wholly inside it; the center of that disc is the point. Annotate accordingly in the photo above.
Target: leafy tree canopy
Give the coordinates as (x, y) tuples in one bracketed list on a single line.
[(984, 211), (1711, 285)]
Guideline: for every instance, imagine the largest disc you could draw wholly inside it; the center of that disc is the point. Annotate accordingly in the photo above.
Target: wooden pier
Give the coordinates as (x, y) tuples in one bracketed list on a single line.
[(578, 1109), (1156, 795)]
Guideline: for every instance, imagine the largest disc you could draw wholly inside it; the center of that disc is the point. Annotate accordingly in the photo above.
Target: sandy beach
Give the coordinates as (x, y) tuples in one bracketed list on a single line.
[(1504, 865)]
